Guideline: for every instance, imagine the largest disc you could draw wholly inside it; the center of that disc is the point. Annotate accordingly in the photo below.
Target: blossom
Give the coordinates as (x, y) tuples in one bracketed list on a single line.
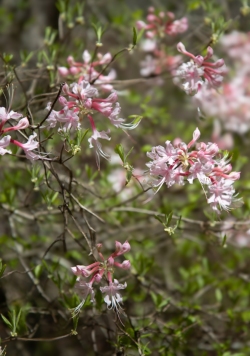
[(93, 142), (81, 100), (29, 146), (87, 71), (113, 298), (4, 142), (96, 271), (83, 289), (22, 124), (6, 115), (191, 74), (178, 163), (199, 71), (221, 194), (161, 24)]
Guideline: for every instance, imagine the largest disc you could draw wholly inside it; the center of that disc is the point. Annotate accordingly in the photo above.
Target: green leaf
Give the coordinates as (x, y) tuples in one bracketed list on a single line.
[(224, 241), (6, 321), (134, 36), (120, 151), (129, 174), (218, 295)]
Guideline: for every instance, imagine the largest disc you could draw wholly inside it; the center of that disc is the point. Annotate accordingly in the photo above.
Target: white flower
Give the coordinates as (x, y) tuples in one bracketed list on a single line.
[(191, 75), (113, 298)]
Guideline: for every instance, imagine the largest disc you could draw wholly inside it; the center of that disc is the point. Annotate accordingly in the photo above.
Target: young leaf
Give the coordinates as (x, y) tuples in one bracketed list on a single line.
[(134, 36), (6, 321)]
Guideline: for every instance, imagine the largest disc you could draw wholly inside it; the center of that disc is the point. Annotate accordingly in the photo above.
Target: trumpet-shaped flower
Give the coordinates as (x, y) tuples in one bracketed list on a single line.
[(96, 271), (113, 297), (180, 162), (199, 71)]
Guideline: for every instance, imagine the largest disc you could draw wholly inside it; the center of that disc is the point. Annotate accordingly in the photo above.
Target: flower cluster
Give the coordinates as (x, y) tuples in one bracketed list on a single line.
[(6, 140), (157, 60), (159, 25), (96, 271), (87, 69), (162, 24), (176, 163), (232, 104), (81, 99), (197, 72)]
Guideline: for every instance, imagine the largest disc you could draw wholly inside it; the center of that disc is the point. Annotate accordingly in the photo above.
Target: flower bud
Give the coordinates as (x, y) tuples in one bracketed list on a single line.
[(70, 60), (210, 52), (62, 100), (152, 18), (63, 71), (234, 175), (86, 56), (74, 70), (219, 63), (111, 261), (181, 48), (97, 277), (140, 25), (199, 60), (126, 264)]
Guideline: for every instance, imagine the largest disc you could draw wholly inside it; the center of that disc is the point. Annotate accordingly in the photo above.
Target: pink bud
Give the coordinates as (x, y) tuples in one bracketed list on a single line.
[(126, 247), (199, 60), (152, 18), (149, 34), (65, 89), (97, 277), (118, 246), (63, 100), (126, 264), (70, 60), (86, 56), (63, 71), (121, 249), (219, 63), (196, 134), (210, 52), (234, 175), (74, 70), (111, 261), (140, 25), (181, 48)]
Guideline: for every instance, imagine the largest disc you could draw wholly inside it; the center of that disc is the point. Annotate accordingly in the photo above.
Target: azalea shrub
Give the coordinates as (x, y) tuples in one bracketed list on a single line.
[(125, 180)]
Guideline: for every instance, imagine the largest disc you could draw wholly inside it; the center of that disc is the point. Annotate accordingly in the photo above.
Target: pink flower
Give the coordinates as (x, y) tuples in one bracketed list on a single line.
[(199, 71), (113, 298), (172, 165), (83, 289), (221, 194), (120, 249), (86, 70), (6, 115), (22, 124), (93, 142), (97, 270), (4, 142), (28, 147), (161, 24)]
